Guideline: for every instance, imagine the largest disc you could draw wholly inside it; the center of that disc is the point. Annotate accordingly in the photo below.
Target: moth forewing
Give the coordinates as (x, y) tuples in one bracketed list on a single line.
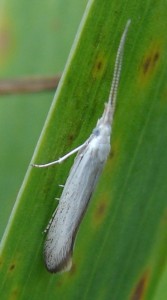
[(73, 203)]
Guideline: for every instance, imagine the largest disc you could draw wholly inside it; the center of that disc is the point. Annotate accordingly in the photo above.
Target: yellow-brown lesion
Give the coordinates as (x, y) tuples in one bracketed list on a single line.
[(150, 62)]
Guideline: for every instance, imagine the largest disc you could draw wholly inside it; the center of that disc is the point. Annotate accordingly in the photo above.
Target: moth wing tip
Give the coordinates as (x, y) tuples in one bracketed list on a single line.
[(63, 266)]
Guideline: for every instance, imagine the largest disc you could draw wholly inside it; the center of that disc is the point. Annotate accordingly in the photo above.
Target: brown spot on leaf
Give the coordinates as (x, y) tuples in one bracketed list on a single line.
[(70, 138), (12, 266), (99, 66), (139, 290), (146, 65), (149, 62), (100, 211), (156, 57)]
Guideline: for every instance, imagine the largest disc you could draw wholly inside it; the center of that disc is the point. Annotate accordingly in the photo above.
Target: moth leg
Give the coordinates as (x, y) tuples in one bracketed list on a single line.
[(61, 185)]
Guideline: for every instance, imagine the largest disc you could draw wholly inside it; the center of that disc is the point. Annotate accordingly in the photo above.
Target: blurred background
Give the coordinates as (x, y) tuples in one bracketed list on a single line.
[(35, 40)]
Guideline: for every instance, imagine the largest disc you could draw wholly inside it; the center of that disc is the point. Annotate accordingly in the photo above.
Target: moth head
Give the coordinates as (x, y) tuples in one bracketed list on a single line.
[(102, 129)]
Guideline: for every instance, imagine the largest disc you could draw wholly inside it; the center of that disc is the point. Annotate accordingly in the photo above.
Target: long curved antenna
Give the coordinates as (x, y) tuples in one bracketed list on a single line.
[(110, 107), (117, 69)]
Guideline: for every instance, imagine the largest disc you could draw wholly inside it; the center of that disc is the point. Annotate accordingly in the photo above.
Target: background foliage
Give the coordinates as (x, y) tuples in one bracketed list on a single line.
[(35, 39)]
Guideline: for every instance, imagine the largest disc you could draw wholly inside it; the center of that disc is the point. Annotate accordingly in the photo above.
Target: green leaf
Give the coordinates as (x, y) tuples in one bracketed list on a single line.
[(120, 251)]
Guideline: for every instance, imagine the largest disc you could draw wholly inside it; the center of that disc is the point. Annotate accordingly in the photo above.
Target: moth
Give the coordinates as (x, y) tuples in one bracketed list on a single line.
[(82, 180)]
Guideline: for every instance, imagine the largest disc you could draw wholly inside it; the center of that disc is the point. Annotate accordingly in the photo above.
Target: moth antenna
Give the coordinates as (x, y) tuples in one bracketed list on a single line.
[(117, 69)]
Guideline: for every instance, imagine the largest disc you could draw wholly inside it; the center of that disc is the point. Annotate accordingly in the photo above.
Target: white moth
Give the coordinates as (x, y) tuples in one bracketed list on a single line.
[(81, 181)]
